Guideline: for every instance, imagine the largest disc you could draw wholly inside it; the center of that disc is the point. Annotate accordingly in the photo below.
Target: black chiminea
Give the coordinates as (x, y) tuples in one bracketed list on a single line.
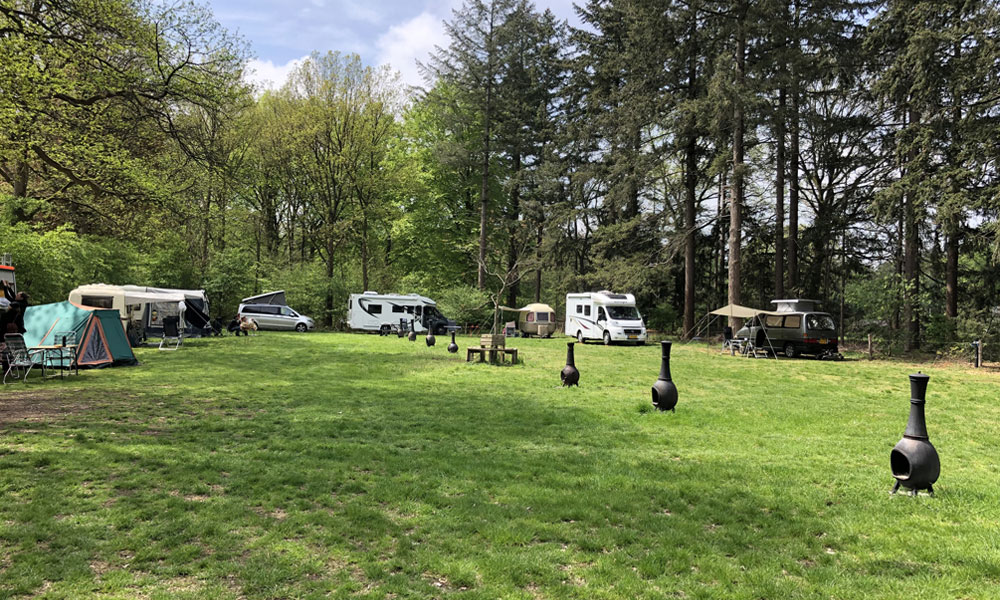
[(915, 463), (664, 390), (453, 347), (413, 332), (430, 339), (570, 375)]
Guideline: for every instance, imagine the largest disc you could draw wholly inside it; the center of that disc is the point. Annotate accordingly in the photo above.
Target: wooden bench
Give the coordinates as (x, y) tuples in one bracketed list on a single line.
[(495, 345)]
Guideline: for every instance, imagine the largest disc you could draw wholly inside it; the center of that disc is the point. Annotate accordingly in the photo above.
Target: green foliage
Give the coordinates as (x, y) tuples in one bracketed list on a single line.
[(464, 304), (306, 289), (230, 279)]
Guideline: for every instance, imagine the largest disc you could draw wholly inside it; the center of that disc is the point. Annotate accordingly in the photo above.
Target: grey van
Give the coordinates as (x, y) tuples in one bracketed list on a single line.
[(274, 316), (793, 333)]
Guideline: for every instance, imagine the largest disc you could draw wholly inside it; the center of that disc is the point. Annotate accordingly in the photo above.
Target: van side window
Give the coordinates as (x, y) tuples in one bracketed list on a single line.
[(375, 309), (418, 310), (793, 321), (586, 310), (579, 309), (773, 321), (397, 308)]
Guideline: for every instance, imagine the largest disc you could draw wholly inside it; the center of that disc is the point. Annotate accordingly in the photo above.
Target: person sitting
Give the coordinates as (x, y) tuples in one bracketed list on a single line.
[(234, 326)]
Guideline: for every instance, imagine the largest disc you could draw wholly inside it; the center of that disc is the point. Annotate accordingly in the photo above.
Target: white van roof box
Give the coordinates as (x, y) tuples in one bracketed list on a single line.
[(795, 305)]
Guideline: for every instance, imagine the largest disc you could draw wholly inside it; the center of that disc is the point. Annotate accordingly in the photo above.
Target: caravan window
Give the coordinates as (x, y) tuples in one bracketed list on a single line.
[(419, 308), (586, 310), (530, 318), (96, 301), (375, 309), (579, 309), (543, 317), (398, 309)]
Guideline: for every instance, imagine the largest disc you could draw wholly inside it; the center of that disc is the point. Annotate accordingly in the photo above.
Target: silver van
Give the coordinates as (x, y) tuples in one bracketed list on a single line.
[(793, 333), (275, 316)]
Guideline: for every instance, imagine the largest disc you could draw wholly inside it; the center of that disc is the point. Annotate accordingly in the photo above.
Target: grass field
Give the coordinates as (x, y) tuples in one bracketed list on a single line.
[(334, 465)]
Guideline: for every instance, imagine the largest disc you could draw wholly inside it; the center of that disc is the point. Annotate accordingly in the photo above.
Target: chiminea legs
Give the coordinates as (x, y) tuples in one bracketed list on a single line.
[(930, 489)]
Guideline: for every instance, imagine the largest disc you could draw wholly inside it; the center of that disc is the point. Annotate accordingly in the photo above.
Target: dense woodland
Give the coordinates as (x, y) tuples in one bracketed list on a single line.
[(693, 152)]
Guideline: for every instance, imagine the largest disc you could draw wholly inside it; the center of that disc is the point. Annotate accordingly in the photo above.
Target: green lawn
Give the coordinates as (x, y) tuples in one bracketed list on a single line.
[(333, 465)]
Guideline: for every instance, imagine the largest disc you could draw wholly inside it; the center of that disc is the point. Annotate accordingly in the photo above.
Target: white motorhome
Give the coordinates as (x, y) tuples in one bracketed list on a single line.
[(604, 316), (372, 311)]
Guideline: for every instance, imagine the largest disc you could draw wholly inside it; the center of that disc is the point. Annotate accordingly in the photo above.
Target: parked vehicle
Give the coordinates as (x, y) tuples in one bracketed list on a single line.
[(535, 319), (270, 312), (383, 313), (604, 316), (795, 328)]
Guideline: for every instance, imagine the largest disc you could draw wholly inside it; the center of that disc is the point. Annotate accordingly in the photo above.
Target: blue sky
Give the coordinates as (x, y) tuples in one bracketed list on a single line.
[(394, 32)]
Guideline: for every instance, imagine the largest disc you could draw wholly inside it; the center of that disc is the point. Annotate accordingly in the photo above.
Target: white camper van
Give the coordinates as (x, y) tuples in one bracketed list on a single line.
[(604, 316), (372, 311)]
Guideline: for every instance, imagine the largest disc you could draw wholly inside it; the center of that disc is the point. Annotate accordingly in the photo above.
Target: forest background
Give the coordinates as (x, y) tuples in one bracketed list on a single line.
[(692, 152)]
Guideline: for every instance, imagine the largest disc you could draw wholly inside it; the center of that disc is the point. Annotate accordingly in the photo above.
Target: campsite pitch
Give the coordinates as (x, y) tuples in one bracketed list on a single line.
[(359, 466)]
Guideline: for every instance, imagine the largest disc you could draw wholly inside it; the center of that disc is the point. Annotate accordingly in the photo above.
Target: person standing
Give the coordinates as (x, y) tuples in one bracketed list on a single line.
[(13, 319)]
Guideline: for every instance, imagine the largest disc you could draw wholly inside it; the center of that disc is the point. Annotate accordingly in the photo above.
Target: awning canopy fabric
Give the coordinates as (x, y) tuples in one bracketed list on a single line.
[(741, 312)]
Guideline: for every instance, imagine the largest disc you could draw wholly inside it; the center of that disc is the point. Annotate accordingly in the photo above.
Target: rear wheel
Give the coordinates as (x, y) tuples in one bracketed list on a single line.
[(790, 351), (607, 338), (301, 327), (579, 336)]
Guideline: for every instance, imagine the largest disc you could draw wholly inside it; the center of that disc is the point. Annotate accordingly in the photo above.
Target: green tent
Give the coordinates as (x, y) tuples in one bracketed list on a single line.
[(101, 339)]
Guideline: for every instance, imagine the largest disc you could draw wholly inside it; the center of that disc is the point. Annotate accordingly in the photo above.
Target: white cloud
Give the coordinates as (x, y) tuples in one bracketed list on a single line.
[(265, 75), (404, 44)]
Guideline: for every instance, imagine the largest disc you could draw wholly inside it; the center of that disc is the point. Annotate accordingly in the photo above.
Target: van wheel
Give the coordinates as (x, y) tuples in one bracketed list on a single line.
[(790, 350), (607, 338), (301, 328), (579, 337), (384, 330), (439, 330)]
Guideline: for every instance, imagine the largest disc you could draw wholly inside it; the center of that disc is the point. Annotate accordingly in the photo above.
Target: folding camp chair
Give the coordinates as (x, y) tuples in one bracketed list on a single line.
[(17, 356), (171, 333), (65, 356)]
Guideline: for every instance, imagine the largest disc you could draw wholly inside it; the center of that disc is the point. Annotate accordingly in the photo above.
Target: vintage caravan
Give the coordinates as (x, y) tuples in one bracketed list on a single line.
[(604, 316), (535, 319), (382, 313)]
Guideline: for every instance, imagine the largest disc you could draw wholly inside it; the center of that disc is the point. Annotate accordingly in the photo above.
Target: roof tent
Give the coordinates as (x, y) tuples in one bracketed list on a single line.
[(267, 298), (101, 339)]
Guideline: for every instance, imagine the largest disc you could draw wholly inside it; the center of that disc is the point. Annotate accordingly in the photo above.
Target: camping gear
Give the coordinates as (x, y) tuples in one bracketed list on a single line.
[(914, 461), (430, 338), (102, 340), (664, 390), (171, 334), (453, 347), (17, 356), (148, 306), (570, 375)]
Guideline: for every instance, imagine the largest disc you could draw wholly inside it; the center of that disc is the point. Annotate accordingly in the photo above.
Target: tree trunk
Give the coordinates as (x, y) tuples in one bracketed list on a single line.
[(484, 190), (512, 218), (779, 199), (364, 253), (538, 271), (736, 203), (911, 250), (793, 190)]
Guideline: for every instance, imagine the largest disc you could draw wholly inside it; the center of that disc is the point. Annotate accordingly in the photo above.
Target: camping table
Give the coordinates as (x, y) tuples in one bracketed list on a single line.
[(55, 350)]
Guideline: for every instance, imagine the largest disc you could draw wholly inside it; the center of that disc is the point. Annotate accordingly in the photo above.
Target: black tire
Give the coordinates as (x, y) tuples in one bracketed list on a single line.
[(607, 338), (301, 327), (579, 337), (440, 330), (384, 330), (790, 351)]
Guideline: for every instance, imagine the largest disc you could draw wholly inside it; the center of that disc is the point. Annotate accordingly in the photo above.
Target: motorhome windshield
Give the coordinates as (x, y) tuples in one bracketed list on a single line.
[(820, 323), (623, 313)]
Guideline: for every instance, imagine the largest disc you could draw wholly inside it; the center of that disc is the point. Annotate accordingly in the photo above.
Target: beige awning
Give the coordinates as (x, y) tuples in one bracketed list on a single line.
[(741, 312)]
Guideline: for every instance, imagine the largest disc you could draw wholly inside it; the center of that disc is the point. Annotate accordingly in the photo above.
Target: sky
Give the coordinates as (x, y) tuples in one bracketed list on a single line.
[(393, 32)]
